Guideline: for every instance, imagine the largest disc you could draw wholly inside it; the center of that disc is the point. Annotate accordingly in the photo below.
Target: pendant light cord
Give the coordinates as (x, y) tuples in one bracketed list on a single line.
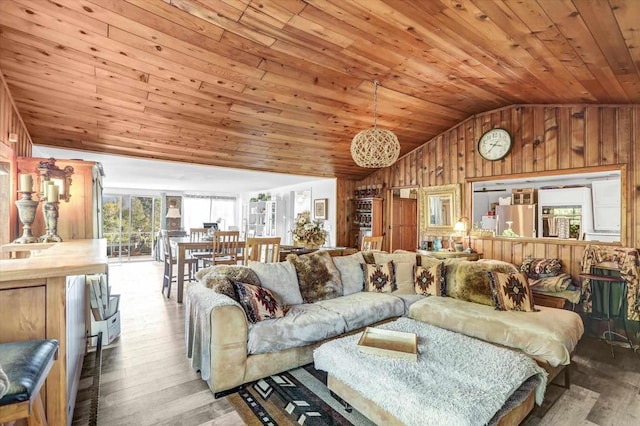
[(375, 103)]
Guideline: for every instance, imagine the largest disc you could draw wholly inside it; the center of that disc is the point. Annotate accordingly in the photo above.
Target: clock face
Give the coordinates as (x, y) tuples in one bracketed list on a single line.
[(494, 144)]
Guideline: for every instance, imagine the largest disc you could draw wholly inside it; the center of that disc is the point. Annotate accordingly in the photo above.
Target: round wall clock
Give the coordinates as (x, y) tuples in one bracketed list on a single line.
[(495, 144)]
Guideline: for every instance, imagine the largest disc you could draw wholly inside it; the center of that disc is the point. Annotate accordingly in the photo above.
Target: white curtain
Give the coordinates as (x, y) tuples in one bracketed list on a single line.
[(197, 210)]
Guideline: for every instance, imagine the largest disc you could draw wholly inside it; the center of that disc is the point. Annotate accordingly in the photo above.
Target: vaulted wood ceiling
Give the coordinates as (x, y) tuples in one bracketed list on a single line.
[(284, 85)]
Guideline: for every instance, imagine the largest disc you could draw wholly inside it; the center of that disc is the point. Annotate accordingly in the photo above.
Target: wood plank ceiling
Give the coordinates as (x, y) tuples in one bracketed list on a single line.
[(284, 85)]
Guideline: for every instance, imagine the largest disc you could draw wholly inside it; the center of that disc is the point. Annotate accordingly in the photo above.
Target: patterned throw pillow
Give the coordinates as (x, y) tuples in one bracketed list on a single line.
[(379, 278), (511, 292), (258, 302), (403, 264), (540, 267), (430, 262), (429, 281)]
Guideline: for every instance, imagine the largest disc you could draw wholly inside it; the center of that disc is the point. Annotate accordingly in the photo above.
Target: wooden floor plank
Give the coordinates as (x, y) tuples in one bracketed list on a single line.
[(571, 408)]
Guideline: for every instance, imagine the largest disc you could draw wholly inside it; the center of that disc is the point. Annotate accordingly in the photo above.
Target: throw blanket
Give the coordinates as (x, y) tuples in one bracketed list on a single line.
[(4, 382), (457, 380), (551, 284), (628, 261), (200, 302)]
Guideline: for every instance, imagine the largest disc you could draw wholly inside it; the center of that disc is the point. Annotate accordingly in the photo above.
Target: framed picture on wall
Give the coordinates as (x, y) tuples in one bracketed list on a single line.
[(320, 208)]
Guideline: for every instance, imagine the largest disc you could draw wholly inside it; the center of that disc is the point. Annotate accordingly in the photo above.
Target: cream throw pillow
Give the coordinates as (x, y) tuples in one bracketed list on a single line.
[(350, 272), (281, 279)]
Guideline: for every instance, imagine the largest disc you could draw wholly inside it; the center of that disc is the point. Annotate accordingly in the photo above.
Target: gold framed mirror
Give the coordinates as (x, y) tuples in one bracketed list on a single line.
[(439, 209), (61, 178)]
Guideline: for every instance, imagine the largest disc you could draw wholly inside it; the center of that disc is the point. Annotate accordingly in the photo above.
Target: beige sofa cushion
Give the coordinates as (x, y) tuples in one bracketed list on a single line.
[(302, 325), (550, 334), (364, 308)]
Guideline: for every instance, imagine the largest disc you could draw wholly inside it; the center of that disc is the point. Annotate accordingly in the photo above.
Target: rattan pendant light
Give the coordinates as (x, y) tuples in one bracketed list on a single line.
[(375, 148)]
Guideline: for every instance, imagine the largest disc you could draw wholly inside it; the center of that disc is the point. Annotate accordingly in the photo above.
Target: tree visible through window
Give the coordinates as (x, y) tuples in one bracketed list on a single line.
[(130, 224)]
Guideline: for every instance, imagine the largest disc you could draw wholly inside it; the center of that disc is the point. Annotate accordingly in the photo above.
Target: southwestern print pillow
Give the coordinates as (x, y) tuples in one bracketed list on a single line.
[(537, 268), (428, 280), (258, 302), (511, 292), (379, 278)]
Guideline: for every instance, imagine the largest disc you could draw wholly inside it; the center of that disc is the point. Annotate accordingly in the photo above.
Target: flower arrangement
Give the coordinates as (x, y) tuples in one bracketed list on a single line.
[(308, 232)]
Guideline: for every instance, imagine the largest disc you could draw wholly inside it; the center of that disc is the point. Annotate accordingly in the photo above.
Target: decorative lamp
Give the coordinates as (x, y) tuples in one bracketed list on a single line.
[(173, 213), (173, 216), (461, 226), (374, 147)]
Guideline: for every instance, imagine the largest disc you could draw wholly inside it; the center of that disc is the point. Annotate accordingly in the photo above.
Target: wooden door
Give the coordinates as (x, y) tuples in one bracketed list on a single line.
[(404, 224)]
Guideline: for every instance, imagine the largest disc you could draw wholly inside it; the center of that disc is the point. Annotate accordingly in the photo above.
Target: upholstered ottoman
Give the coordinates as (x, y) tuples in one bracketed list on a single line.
[(456, 379)]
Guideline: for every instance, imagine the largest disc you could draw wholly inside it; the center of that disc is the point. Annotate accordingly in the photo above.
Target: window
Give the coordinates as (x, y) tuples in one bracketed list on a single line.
[(200, 209), (130, 224)]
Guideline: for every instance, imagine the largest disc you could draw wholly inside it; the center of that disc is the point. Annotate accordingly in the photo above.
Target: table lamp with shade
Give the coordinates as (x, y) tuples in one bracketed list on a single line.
[(461, 227), (173, 216)]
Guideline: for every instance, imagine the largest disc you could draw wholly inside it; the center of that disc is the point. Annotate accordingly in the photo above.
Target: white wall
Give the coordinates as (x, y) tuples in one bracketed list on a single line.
[(324, 188)]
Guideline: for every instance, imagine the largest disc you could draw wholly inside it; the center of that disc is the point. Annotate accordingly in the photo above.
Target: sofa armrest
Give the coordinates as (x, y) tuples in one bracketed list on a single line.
[(216, 330), (228, 345)]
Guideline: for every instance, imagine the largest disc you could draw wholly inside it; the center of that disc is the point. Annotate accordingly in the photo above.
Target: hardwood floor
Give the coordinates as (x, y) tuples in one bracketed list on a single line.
[(147, 379), (146, 376)]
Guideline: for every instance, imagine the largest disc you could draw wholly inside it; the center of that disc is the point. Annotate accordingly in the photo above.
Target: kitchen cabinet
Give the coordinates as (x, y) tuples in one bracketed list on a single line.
[(606, 205), (44, 296)]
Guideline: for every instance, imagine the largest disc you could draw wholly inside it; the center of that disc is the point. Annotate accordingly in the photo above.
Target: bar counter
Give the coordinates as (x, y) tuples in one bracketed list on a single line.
[(44, 296), (55, 259)]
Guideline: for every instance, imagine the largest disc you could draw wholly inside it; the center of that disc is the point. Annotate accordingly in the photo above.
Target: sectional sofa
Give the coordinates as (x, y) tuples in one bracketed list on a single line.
[(325, 298)]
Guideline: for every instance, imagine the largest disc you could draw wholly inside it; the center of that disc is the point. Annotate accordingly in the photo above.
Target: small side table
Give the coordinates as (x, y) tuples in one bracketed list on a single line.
[(450, 254)]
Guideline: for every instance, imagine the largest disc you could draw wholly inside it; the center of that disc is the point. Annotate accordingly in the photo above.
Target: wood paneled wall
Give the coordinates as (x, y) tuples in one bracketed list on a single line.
[(10, 122), (547, 138)]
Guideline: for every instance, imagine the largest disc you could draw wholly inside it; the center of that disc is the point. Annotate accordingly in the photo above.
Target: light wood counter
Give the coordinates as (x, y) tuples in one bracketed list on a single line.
[(44, 297), (75, 257)]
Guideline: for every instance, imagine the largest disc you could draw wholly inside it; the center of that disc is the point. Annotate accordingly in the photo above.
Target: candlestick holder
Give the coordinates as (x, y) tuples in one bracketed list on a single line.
[(27, 213), (50, 212)]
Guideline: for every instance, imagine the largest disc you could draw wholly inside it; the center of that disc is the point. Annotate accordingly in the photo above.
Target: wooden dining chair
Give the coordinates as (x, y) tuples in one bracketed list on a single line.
[(190, 263), (225, 248), (266, 250), (371, 243), (197, 235)]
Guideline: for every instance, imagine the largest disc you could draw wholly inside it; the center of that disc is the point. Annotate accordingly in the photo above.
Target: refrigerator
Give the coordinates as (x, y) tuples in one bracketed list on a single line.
[(521, 218)]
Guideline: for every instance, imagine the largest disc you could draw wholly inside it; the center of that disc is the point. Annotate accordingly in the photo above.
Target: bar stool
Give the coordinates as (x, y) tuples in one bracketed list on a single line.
[(26, 365), (608, 300)]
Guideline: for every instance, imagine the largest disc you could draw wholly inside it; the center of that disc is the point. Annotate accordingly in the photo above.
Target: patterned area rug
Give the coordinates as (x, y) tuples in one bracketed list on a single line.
[(295, 397)]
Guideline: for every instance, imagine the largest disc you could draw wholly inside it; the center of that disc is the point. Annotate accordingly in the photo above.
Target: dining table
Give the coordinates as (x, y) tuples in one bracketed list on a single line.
[(181, 246), (285, 250)]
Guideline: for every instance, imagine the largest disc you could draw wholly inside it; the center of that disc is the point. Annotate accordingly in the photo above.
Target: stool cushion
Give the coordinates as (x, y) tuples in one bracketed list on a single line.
[(25, 364)]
